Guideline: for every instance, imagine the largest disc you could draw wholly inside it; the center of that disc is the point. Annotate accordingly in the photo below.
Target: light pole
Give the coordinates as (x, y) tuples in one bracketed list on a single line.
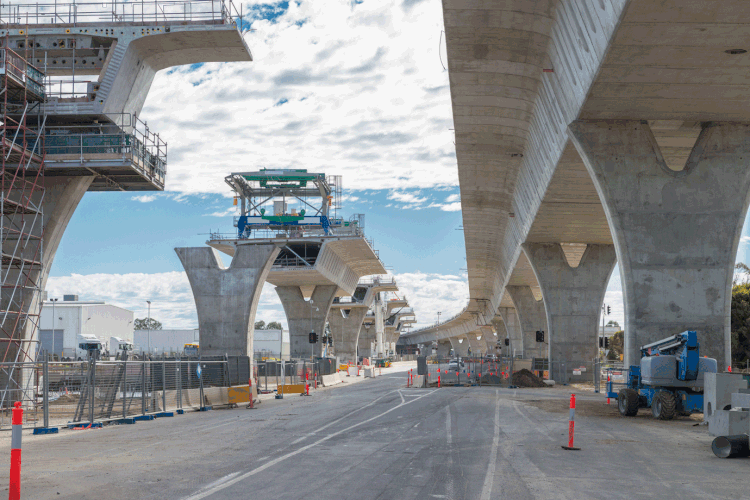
[(53, 327), (312, 346), (148, 327), (437, 342)]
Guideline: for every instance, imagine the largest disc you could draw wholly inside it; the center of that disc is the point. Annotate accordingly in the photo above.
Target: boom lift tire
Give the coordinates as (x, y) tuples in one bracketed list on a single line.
[(663, 405), (627, 402)]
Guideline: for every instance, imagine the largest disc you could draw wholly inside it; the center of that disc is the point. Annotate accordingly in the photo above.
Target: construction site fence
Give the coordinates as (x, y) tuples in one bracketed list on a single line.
[(85, 392), (272, 373)]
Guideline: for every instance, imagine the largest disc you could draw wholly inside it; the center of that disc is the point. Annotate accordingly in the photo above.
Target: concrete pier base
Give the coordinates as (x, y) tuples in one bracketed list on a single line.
[(305, 316), (443, 349), (573, 299), (533, 317), (460, 346), (227, 298), (512, 331), (676, 232), (345, 326)]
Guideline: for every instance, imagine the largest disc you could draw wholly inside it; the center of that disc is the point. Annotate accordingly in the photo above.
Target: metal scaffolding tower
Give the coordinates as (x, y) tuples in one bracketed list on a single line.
[(22, 155)]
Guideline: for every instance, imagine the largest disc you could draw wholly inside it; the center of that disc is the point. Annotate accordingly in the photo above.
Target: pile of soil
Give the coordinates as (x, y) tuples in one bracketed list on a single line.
[(492, 380), (524, 378)]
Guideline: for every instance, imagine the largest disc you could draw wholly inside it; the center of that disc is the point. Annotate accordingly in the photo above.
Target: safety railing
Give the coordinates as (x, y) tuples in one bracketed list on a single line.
[(23, 73), (130, 139), (120, 11)]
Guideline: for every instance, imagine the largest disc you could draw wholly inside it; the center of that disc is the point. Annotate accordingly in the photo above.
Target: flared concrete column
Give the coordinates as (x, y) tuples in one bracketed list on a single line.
[(443, 349), (573, 298), (460, 346), (345, 326), (478, 347), (676, 232), (366, 341), (533, 317), (304, 317), (512, 331), (227, 298)]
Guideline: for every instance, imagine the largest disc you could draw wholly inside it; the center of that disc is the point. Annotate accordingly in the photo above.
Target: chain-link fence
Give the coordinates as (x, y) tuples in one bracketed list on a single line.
[(469, 371), (272, 373), (57, 393)]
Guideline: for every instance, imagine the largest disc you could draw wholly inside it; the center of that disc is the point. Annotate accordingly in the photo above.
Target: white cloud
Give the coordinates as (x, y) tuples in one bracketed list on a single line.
[(412, 198), (451, 207), (144, 198), (429, 293), (744, 240), (453, 198), (350, 89)]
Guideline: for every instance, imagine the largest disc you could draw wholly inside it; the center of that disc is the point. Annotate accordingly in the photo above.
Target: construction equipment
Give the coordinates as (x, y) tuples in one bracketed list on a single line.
[(669, 379)]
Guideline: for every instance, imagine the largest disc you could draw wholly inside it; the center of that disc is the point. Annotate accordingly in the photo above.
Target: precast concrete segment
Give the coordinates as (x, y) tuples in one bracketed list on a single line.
[(304, 316), (676, 232), (460, 346), (443, 349), (533, 317), (227, 298), (345, 326), (573, 299)]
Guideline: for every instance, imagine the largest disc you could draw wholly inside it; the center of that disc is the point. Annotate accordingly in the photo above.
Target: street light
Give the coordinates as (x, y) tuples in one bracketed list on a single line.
[(148, 326), (312, 346), (53, 326)]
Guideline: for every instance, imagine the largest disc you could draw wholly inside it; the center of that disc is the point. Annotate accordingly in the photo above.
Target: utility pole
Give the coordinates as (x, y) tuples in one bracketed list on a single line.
[(436, 335)]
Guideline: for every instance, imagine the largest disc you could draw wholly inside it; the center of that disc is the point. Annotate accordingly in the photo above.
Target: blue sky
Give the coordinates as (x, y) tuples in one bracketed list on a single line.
[(348, 88)]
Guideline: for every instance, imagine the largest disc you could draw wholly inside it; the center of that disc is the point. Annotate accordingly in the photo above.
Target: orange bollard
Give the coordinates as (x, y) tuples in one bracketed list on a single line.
[(307, 389), (607, 387), (571, 424), (438, 381), (250, 390)]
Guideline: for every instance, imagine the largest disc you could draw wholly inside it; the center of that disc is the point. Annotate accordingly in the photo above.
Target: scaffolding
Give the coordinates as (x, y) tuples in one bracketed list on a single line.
[(21, 220)]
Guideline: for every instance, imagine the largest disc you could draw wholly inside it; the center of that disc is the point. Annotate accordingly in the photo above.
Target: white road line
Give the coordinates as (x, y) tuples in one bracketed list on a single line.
[(211, 490), (341, 418), (448, 425), (489, 478)]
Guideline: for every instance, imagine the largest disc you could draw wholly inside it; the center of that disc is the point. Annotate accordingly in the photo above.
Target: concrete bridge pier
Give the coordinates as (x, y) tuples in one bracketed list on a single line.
[(305, 316), (533, 317), (460, 346), (444, 349), (367, 337), (227, 298), (345, 327), (676, 231), (573, 299), (478, 346), (512, 331)]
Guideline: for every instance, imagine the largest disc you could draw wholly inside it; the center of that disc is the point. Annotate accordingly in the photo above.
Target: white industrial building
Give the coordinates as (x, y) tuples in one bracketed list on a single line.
[(164, 341), (268, 343), (58, 333)]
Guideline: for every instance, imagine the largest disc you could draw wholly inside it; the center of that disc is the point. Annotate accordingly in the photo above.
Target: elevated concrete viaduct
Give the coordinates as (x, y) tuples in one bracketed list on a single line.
[(617, 125), (308, 283), (347, 315)]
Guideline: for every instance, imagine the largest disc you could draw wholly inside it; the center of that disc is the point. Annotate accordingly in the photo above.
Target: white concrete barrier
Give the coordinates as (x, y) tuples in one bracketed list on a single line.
[(353, 371), (329, 380)]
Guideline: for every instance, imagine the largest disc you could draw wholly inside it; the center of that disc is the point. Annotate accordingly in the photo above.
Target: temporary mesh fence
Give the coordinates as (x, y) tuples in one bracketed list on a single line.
[(69, 393)]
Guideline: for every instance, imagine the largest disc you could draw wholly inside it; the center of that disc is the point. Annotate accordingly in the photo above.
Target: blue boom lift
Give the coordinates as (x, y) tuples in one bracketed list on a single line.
[(669, 379)]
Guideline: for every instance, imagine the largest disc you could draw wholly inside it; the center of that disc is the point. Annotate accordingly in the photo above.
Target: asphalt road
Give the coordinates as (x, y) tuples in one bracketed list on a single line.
[(379, 440)]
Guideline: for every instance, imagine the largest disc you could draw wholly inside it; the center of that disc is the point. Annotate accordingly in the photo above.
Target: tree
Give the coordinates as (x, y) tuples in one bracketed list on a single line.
[(613, 323), (616, 343), (741, 275), (740, 323), (273, 325), (260, 325), (146, 324)]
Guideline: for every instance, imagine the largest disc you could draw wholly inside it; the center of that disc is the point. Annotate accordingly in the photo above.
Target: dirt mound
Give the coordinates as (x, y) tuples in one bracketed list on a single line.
[(492, 379), (524, 378)]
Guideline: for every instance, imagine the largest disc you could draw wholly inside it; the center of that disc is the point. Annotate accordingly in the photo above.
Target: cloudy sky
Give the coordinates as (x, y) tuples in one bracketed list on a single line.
[(354, 88)]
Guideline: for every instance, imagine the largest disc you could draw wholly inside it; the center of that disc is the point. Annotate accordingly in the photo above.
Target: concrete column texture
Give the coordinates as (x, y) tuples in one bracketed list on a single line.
[(304, 317), (443, 349), (460, 346), (478, 347), (676, 232), (533, 317), (367, 337), (512, 331), (345, 326), (227, 298), (573, 298)]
